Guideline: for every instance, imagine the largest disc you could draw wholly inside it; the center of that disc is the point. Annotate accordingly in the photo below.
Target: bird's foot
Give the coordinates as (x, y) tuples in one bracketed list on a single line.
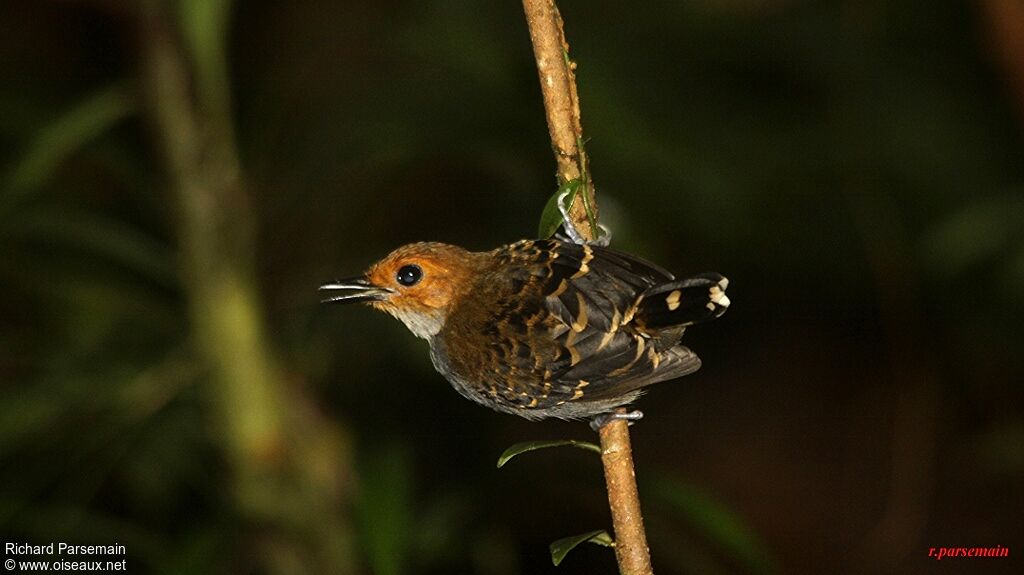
[(604, 238), (572, 234), (604, 419)]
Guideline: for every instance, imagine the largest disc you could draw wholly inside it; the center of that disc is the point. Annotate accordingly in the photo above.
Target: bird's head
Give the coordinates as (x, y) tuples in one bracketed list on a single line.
[(417, 283)]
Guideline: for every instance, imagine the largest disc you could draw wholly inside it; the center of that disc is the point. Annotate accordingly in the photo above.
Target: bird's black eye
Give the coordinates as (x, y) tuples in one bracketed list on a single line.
[(409, 275)]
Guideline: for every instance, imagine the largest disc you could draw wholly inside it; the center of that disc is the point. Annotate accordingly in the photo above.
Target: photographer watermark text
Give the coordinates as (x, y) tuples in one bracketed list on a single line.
[(61, 556)]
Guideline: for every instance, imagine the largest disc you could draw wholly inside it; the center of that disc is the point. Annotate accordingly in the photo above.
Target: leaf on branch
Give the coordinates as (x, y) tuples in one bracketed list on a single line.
[(562, 547), (551, 216), (534, 445)]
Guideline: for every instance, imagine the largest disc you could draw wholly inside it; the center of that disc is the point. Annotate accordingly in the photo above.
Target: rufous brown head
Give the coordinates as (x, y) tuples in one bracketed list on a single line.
[(417, 283)]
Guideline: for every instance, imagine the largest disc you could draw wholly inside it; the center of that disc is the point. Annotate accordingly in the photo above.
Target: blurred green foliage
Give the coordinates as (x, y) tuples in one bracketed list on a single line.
[(853, 167)]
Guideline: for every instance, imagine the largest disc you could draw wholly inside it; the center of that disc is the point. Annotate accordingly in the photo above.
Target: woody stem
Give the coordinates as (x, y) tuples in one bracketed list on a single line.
[(630, 539), (562, 108)]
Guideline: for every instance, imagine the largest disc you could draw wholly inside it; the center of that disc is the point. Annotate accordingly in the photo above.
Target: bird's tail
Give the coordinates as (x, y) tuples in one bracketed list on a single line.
[(682, 303)]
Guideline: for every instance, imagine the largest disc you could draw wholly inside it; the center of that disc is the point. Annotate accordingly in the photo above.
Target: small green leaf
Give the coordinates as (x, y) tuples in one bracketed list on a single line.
[(562, 547), (533, 445), (551, 217)]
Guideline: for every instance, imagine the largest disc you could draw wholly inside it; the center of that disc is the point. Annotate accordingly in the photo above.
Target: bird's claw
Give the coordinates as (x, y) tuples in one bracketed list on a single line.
[(604, 238), (604, 419), (604, 235), (567, 225)]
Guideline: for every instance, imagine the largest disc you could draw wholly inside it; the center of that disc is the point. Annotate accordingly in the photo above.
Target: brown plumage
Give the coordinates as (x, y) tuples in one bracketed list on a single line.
[(542, 328)]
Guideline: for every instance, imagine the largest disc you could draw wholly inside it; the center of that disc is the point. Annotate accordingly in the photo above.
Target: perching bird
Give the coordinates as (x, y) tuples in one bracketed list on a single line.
[(542, 328)]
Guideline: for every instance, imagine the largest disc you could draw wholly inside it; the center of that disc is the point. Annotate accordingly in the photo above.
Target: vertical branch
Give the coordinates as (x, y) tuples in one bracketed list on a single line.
[(287, 465), (215, 234), (630, 540), (561, 105)]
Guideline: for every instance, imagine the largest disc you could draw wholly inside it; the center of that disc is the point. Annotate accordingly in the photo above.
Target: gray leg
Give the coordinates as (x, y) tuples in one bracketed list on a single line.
[(604, 419), (570, 228), (603, 238)]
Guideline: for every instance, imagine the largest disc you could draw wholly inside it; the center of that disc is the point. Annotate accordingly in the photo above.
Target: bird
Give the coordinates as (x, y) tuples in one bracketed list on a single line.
[(542, 328)]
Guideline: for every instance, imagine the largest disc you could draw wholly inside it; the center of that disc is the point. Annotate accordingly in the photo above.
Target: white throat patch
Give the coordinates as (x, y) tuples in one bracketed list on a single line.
[(423, 325)]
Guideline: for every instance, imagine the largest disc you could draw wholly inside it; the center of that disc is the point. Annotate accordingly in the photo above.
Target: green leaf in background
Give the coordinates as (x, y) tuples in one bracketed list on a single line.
[(384, 507), (982, 231), (562, 547), (534, 445), (64, 135), (96, 235), (551, 217), (715, 522), (205, 25)]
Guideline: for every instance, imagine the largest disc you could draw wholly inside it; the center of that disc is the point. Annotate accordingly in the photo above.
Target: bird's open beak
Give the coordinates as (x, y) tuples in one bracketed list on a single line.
[(353, 290)]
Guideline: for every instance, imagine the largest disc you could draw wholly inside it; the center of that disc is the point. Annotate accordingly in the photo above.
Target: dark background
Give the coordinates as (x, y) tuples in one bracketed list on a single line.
[(178, 178)]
